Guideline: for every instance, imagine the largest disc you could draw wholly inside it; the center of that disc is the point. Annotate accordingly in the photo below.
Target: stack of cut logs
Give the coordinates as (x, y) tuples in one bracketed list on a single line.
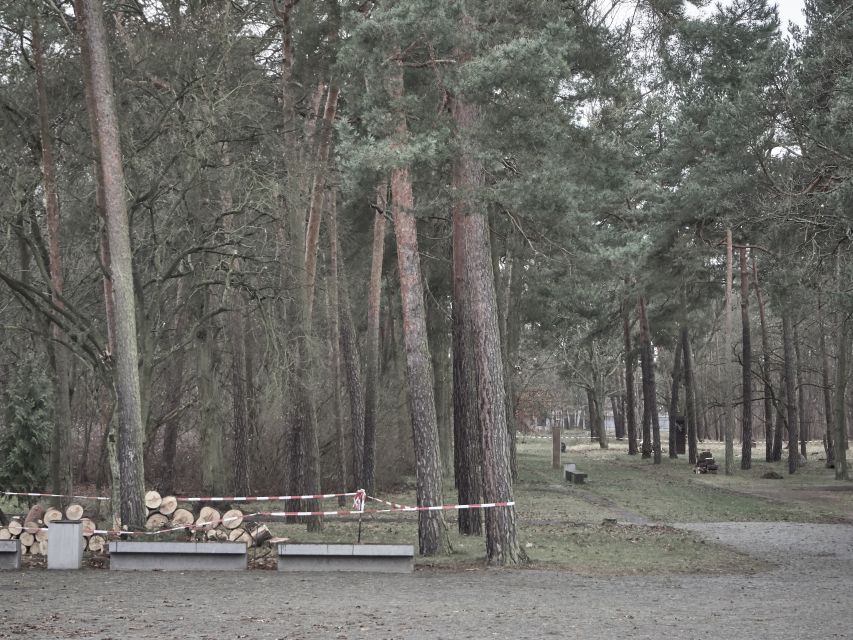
[(209, 523), (33, 530), (706, 463)]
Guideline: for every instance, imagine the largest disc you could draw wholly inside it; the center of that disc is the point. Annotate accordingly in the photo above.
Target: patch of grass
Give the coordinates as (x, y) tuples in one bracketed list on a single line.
[(671, 492)]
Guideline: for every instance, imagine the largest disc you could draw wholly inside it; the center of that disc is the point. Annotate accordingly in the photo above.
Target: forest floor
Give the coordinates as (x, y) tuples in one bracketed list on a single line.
[(692, 556)]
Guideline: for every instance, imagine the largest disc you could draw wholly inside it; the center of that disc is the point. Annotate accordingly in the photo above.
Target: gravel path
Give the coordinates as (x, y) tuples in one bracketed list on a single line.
[(809, 596)]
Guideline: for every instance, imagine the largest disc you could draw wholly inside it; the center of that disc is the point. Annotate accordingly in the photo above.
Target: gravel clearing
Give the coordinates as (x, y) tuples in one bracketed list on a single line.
[(808, 594)]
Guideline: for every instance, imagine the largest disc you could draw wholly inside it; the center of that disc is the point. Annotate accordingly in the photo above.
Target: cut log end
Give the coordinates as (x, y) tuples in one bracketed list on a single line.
[(153, 500), (74, 512), (232, 519), (168, 505)]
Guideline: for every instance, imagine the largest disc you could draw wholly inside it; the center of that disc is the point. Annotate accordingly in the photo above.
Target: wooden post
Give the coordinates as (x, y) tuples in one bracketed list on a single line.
[(555, 444)]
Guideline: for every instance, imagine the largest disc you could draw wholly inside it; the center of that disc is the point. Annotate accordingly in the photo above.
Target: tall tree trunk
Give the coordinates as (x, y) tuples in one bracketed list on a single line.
[(765, 366), (841, 471), (801, 395), (504, 288), (442, 365), (212, 441), (432, 533), (352, 370), (727, 362), (466, 420), (673, 399), (60, 451), (96, 59), (690, 396), (371, 372), (746, 367), (502, 546), (334, 320), (630, 399), (842, 346), (304, 414), (431, 529), (651, 441), (829, 418), (781, 419), (174, 391), (790, 390)]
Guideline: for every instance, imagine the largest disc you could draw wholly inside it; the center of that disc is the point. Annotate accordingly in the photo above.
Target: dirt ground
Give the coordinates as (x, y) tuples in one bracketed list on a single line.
[(807, 594)]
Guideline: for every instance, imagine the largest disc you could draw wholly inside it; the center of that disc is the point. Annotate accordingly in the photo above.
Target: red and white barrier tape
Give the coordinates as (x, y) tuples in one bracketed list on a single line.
[(51, 495), (390, 504), (441, 507), (319, 496)]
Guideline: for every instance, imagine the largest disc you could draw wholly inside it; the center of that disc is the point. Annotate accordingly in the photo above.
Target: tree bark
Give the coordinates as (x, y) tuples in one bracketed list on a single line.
[(746, 365), (673, 399), (60, 452), (335, 348), (502, 546), (371, 374), (790, 390), (651, 441), (829, 417), (690, 396), (174, 391), (432, 534), (466, 420), (801, 395), (765, 365), (94, 45), (630, 400), (727, 362)]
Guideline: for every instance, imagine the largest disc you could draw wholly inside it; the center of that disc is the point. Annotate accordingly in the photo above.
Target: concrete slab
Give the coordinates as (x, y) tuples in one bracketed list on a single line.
[(10, 554), (381, 558), (65, 549), (178, 556)]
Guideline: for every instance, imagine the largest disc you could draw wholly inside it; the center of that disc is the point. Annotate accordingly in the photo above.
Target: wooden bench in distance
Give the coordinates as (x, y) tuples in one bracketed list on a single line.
[(379, 558), (572, 474), (178, 556), (10, 554)]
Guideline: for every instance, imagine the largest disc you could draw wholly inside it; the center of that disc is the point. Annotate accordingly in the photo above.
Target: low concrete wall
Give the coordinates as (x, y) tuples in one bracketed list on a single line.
[(10, 554), (178, 556), (381, 558)]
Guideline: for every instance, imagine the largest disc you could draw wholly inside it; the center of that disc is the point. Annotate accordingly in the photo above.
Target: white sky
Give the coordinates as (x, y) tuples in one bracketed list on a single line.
[(791, 11)]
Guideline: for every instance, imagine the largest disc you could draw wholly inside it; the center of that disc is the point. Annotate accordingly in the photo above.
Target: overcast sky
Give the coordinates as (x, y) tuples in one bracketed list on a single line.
[(791, 11)]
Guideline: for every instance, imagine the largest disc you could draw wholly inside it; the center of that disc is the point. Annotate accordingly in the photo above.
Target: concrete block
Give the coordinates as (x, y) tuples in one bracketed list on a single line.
[(10, 554), (382, 558), (65, 550), (178, 556)]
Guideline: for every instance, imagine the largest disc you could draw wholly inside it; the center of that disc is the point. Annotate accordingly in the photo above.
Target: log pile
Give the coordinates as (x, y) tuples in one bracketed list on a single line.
[(33, 530), (706, 463), (208, 523)]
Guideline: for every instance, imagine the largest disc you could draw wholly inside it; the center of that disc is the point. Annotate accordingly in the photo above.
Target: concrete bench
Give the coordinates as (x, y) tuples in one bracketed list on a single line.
[(380, 558), (572, 474), (178, 556), (10, 554)]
